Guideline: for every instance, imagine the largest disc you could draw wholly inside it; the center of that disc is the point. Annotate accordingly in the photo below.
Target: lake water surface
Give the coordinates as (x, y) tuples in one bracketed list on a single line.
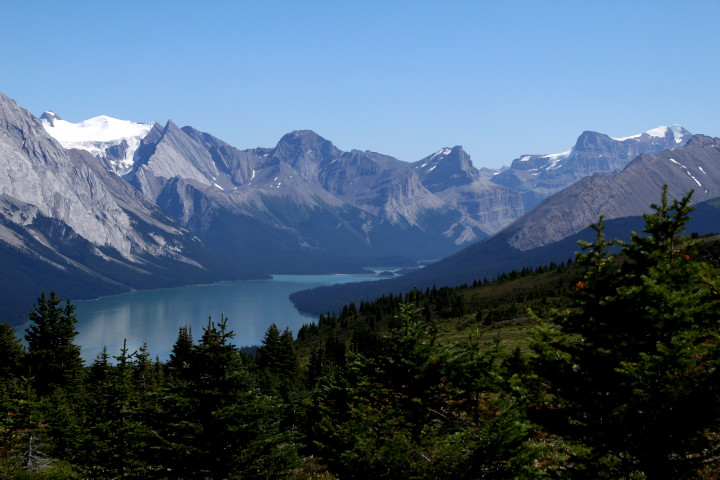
[(154, 316)]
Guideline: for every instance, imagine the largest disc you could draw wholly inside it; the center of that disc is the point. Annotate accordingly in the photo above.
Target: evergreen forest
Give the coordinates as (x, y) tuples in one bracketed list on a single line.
[(606, 366)]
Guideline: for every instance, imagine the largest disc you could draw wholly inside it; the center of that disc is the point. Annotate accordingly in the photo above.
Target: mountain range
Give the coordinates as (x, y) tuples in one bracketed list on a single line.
[(108, 205), (550, 231), (539, 176)]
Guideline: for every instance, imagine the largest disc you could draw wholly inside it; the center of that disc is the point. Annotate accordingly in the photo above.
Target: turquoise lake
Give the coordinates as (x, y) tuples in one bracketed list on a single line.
[(154, 316)]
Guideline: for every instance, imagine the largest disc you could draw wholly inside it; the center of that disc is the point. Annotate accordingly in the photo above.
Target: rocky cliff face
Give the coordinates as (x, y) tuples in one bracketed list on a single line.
[(539, 176), (484, 206)]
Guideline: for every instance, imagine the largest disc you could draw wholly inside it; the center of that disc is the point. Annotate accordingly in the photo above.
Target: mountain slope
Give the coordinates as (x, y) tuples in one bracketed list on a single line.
[(450, 176), (696, 166), (539, 176), (315, 204), (81, 228)]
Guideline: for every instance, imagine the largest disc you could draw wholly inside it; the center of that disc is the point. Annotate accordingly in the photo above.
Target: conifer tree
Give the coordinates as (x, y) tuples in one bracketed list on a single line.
[(97, 446), (53, 358), (182, 350), (415, 409), (218, 424), (268, 354), (12, 352), (635, 366)]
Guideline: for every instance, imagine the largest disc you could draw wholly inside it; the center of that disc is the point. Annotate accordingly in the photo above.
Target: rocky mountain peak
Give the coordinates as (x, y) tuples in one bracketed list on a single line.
[(445, 168), (589, 139), (299, 141), (681, 135), (50, 117), (701, 141), (171, 127), (538, 176), (669, 137), (64, 186), (108, 139), (460, 158), (305, 151)]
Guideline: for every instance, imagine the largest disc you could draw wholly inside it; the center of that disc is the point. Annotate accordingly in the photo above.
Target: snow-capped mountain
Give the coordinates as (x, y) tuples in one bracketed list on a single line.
[(112, 141), (539, 176), (695, 166), (679, 134), (69, 224)]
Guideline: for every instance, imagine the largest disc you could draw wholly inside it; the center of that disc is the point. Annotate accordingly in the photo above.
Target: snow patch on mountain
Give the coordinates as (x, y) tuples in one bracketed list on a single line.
[(660, 132), (440, 153), (98, 135), (678, 133), (687, 170), (556, 158)]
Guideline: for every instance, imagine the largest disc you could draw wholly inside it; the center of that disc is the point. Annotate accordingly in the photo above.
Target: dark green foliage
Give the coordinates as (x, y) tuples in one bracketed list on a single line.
[(121, 410), (269, 354), (634, 368), (53, 359), (217, 423), (412, 408), (12, 352), (182, 350)]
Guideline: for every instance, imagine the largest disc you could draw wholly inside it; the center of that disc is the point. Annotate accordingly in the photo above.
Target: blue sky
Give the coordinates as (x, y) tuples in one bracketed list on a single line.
[(401, 78)]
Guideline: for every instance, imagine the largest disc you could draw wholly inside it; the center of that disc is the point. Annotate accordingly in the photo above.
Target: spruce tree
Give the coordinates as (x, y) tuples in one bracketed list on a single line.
[(216, 422), (53, 358), (181, 353), (269, 354), (413, 408), (634, 367), (12, 352)]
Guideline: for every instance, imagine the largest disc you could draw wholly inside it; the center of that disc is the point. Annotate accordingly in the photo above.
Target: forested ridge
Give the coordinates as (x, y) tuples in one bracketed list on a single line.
[(601, 367)]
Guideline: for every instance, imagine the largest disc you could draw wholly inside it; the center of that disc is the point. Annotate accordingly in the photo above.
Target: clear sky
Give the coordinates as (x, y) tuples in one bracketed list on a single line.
[(403, 78)]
